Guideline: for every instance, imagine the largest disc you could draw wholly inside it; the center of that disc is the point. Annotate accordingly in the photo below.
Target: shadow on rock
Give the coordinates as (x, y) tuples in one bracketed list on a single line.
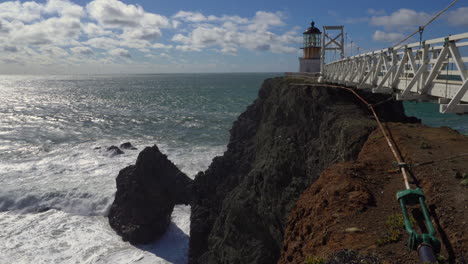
[(172, 246)]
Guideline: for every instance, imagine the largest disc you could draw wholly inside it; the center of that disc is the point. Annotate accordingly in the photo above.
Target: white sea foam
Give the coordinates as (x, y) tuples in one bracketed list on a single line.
[(58, 237), (56, 214), (55, 187), (81, 179)]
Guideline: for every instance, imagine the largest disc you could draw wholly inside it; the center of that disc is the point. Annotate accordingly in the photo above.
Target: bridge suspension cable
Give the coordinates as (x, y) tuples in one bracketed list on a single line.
[(421, 28), (352, 41)]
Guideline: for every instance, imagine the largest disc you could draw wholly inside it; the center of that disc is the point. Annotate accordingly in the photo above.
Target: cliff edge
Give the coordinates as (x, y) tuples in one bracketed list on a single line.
[(353, 204), (306, 178), (277, 148)]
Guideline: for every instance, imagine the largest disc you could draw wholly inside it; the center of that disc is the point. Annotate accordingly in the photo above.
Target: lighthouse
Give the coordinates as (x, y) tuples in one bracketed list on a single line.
[(310, 62)]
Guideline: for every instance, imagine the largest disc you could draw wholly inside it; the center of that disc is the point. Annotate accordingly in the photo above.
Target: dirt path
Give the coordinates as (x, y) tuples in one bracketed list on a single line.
[(354, 206)]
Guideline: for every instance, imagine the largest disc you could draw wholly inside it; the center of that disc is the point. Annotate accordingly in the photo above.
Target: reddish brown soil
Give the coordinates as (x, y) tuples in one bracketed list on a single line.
[(362, 195)]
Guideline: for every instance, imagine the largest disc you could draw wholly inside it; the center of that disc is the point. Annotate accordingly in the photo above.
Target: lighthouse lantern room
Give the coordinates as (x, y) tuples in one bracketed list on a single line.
[(310, 62)]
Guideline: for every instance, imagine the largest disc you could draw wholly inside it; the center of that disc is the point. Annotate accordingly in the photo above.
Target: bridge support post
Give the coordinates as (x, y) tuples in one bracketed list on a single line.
[(330, 42)]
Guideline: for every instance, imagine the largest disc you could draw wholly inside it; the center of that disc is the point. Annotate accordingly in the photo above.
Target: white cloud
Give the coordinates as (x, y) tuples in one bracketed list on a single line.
[(188, 48), (142, 33), (180, 38), (125, 25), (387, 37), (64, 8), (103, 43), (229, 50), (94, 30), (32, 11), (26, 12), (82, 50), (140, 44), (53, 51), (10, 49), (197, 17), (236, 32), (161, 46), (233, 19), (402, 19), (264, 20), (116, 14), (190, 16), (458, 17), (175, 23), (11, 61), (55, 30), (120, 53)]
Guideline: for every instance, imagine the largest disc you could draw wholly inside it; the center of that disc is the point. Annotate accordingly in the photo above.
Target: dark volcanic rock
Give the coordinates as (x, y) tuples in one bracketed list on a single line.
[(277, 148), (127, 145), (115, 150), (146, 195)]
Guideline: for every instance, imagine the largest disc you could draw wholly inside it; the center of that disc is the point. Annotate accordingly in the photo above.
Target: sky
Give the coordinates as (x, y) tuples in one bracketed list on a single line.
[(156, 36)]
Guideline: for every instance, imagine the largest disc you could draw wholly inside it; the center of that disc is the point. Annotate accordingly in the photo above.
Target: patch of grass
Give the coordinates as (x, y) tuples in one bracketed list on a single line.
[(314, 260), (463, 178), (464, 182), (301, 80), (395, 224), (441, 259), (424, 145), (376, 137)]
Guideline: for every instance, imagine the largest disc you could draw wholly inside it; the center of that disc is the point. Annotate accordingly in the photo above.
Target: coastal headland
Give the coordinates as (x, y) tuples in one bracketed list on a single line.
[(306, 176)]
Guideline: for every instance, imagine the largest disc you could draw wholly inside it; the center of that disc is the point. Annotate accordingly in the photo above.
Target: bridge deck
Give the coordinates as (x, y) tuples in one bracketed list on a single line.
[(434, 69)]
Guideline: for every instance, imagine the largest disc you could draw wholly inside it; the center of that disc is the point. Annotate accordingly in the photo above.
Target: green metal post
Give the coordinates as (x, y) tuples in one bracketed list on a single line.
[(412, 197)]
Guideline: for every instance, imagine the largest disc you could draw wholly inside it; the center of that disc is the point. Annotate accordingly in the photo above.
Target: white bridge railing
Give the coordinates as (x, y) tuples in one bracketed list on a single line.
[(431, 70)]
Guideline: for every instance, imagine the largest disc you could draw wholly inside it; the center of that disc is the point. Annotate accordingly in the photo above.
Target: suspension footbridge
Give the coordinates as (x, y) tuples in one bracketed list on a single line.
[(428, 70)]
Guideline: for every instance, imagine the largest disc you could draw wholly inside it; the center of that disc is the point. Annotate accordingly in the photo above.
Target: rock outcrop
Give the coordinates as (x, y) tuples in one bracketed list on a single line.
[(146, 195), (277, 148), (114, 150), (352, 205), (127, 145)]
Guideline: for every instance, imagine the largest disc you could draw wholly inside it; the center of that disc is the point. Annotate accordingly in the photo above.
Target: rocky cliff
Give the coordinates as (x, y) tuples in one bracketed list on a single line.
[(277, 148), (240, 205)]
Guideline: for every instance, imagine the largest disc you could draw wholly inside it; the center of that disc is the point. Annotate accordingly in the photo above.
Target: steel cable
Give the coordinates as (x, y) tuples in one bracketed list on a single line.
[(421, 28), (390, 142)]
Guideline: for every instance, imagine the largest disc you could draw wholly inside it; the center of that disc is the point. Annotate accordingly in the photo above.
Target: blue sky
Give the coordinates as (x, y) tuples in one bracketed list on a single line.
[(112, 36)]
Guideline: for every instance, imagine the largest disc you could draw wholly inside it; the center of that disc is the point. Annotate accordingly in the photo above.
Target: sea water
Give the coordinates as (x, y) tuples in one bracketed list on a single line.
[(57, 179)]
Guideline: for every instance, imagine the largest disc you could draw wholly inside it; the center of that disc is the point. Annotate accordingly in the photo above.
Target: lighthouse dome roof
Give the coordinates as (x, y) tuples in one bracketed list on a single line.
[(312, 29)]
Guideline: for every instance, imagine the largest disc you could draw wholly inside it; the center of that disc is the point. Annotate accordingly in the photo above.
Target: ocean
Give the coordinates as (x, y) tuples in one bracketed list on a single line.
[(57, 179)]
